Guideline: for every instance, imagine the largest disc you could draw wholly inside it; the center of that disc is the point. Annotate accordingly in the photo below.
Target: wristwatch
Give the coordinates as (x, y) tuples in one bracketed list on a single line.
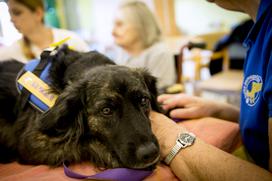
[(184, 140)]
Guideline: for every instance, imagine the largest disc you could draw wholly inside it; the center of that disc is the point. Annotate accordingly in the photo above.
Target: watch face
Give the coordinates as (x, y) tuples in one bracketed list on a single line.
[(187, 138)]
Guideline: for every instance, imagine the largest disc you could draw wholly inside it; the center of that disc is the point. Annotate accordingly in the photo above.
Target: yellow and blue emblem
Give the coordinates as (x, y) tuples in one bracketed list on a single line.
[(252, 89)]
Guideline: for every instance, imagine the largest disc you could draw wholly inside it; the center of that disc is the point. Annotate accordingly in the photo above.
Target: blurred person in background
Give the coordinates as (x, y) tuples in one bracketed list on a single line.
[(28, 18), (139, 36), (233, 42)]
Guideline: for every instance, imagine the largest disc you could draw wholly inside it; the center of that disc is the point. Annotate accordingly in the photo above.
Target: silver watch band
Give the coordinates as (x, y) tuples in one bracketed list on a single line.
[(173, 153), (184, 140)]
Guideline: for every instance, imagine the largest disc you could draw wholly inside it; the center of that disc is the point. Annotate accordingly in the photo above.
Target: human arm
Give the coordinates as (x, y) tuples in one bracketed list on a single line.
[(202, 161), (190, 107)]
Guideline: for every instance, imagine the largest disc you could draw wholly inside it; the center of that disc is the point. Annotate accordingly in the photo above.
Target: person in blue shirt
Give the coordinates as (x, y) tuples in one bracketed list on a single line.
[(201, 161)]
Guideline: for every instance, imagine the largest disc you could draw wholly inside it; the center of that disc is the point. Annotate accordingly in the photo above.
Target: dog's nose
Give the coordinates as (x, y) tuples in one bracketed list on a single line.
[(147, 152)]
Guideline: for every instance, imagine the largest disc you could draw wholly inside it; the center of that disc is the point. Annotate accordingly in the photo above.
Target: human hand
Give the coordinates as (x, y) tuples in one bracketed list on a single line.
[(187, 107), (184, 106), (165, 130)]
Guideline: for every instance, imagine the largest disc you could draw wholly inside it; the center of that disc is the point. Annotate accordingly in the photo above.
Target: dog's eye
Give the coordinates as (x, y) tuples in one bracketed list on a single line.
[(107, 111), (144, 101)]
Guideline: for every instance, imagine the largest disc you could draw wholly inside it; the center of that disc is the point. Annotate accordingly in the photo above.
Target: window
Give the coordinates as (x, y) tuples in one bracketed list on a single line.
[(8, 32)]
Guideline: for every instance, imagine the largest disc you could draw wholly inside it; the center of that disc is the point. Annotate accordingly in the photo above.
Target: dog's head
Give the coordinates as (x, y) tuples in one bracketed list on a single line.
[(106, 112), (69, 65)]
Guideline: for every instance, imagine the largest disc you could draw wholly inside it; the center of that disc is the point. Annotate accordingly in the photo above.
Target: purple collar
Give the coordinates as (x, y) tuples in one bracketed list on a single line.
[(117, 174)]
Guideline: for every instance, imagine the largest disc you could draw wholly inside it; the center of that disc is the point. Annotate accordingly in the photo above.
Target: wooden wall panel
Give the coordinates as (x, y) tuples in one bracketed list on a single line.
[(165, 13)]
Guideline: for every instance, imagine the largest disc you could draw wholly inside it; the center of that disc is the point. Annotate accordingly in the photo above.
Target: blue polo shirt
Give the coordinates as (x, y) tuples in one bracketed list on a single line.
[(256, 97)]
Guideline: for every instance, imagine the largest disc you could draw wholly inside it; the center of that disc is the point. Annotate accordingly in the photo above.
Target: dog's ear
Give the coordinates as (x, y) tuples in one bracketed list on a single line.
[(66, 112), (61, 58), (151, 83)]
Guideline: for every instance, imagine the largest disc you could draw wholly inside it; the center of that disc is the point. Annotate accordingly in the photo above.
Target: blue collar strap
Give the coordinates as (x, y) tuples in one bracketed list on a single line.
[(40, 69)]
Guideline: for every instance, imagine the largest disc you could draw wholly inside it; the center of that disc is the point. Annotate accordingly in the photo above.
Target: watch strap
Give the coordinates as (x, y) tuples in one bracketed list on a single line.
[(173, 153), (179, 145)]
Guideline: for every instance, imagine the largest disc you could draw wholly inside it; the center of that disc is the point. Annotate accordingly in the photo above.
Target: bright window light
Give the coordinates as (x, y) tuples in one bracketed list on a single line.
[(8, 32)]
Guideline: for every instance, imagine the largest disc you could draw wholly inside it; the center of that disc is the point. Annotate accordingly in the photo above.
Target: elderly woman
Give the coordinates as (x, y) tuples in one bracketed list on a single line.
[(138, 34), (28, 18)]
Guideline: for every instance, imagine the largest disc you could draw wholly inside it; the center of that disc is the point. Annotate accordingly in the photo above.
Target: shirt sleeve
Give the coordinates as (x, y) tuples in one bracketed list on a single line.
[(268, 79)]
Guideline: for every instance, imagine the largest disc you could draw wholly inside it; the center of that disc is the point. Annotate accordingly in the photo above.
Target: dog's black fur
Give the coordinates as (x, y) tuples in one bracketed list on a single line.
[(101, 114)]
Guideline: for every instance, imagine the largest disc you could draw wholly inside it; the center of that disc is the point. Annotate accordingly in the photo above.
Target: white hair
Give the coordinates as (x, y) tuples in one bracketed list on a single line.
[(143, 19)]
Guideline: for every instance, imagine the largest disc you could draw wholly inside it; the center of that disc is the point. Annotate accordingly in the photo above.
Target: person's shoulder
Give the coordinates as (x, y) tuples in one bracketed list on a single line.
[(159, 48), (159, 45), (16, 44), (12, 48), (12, 51)]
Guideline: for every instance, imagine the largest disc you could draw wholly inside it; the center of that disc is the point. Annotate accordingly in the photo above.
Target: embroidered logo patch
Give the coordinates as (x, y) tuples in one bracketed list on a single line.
[(252, 88)]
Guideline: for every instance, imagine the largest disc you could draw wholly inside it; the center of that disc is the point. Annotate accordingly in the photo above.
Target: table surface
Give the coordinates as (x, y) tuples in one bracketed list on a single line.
[(230, 80)]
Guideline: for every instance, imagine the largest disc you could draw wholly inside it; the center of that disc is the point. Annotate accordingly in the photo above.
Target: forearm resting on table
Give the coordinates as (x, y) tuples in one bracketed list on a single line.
[(205, 162), (201, 161)]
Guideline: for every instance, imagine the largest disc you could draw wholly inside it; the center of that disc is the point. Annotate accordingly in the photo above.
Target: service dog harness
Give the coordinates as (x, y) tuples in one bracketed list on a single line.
[(32, 84), (32, 81)]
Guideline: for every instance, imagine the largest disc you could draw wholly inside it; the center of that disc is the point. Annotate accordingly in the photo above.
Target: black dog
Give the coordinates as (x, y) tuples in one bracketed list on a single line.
[(100, 116)]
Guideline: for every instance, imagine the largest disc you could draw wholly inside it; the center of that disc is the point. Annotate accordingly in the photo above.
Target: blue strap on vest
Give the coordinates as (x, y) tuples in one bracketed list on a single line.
[(41, 70)]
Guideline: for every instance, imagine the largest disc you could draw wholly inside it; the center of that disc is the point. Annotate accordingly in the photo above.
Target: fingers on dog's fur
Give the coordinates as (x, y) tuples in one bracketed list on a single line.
[(68, 108)]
